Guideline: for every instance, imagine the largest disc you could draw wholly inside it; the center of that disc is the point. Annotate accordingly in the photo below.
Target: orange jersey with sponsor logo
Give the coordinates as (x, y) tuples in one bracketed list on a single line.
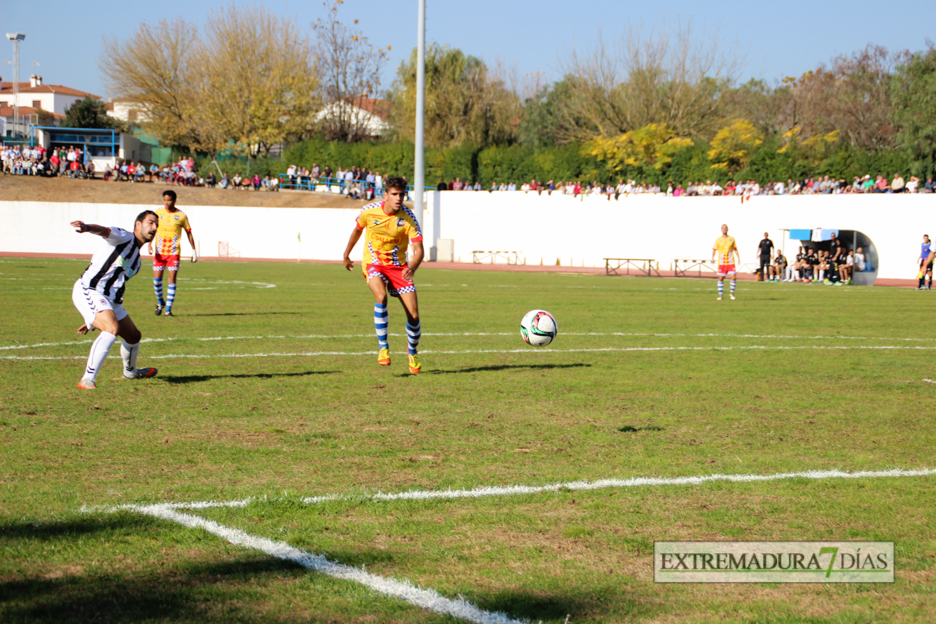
[(387, 237), (170, 229)]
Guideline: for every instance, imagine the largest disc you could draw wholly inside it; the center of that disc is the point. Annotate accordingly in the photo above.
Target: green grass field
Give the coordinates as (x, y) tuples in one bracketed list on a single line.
[(269, 392)]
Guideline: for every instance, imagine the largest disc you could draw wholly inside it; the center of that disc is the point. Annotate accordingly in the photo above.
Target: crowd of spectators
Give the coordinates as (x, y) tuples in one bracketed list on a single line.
[(354, 182), (823, 185), (246, 183), (37, 161), (364, 184)]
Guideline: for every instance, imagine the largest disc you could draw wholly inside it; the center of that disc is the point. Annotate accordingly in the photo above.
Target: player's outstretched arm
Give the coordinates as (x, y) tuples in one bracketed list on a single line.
[(352, 241), (81, 227)]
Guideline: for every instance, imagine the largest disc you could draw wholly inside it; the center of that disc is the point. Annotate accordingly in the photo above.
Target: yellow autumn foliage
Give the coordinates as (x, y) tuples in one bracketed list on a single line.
[(732, 145), (653, 145)]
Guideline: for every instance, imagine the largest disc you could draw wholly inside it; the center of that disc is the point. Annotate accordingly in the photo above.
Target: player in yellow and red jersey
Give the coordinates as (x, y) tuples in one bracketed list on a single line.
[(727, 250), (171, 223), (389, 228)]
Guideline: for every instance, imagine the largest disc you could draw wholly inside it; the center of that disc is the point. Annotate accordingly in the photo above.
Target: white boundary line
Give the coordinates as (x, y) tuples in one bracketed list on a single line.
[(425, 598), (472, 334), (182, 356), (515, 490)]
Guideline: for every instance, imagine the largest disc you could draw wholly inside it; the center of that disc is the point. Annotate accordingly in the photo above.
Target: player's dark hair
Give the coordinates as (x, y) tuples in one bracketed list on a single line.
[(142, 215), (396, 182), (170, 193)]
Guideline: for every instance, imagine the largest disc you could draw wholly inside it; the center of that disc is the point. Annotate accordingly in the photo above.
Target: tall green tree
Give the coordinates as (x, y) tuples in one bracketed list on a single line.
[(465, 103), (914, 94), (88, 113)]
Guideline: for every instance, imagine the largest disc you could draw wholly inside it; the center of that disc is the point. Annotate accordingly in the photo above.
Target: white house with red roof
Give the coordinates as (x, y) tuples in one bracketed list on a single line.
[(35, 95)]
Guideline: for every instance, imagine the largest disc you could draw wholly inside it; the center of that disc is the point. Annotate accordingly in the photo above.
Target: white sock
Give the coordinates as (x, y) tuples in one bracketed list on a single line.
[(821, 274), (99, 350), (129, 352)]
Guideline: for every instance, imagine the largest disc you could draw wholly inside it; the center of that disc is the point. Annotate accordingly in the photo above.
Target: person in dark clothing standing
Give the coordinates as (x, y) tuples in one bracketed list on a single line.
[(765, 249)]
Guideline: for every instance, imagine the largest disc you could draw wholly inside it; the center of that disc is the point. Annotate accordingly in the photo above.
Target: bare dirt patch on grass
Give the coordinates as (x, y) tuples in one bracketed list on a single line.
[(40, 189)]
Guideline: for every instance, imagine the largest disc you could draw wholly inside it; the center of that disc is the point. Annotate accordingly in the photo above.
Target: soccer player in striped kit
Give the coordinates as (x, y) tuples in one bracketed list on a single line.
[(98, 295), (171, 223), (390, 227)]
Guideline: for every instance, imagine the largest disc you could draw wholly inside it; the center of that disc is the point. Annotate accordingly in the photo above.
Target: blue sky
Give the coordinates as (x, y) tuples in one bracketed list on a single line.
[(780, 38)]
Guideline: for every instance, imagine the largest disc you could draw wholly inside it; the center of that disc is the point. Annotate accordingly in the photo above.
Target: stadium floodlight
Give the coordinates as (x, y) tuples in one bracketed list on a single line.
[(15, 38), (419, 182)]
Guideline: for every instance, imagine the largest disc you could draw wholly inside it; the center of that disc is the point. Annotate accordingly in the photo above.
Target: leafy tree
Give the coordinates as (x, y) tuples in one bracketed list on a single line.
[(852, 97), (543, 120), (465, 103), (653, 145), (250, 81), (350, 68), (669, 78), (259, 85), (914, 93), (88, 113), (732, 145)]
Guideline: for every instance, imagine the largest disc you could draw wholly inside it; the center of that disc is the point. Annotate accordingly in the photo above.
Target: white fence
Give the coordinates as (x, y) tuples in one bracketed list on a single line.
[(539, 227)]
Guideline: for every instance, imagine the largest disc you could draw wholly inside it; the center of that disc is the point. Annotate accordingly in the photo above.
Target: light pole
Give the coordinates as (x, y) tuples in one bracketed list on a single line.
[(15, 38), (419, 182)]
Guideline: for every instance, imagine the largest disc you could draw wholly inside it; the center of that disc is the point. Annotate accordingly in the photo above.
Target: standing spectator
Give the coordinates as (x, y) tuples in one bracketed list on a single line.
[(765, 251)]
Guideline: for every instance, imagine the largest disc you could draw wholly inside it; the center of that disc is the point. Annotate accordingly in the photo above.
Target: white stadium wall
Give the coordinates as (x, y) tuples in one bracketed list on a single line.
[(537, 227)]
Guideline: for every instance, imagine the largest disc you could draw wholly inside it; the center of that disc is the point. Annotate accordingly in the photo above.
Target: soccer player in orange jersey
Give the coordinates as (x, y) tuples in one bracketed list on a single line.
[(171, 223), (389, 228), (727, 250)]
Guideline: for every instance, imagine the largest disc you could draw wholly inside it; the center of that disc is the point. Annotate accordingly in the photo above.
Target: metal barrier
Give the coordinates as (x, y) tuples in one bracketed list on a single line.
[(511, 257), (643, 266), (332, 185), (682, 266)]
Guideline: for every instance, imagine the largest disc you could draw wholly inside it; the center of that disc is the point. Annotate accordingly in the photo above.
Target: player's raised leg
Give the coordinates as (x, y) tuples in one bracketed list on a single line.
[(381, 318)]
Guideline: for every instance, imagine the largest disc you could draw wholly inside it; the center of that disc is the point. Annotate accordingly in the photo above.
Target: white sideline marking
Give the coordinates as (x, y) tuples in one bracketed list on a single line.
[(424, 598), (183, 356), (932, 381), (512, 490), (471, 334)]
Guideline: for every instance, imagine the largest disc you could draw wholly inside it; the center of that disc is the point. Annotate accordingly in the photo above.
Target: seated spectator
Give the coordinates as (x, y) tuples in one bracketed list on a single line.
[(274, 183), (778, 268), (913, 186), (845, 268), (897, 184), (859, 262)]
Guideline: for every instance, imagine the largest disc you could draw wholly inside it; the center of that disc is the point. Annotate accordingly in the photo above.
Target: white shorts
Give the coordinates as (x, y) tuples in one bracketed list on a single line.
[(90, 302)]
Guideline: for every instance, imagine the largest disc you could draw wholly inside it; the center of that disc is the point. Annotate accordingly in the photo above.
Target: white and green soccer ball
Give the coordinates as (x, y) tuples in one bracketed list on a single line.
[(539, 328)]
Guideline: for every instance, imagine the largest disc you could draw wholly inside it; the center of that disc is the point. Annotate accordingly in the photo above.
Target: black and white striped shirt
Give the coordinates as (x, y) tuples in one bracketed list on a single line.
[(113, 265)]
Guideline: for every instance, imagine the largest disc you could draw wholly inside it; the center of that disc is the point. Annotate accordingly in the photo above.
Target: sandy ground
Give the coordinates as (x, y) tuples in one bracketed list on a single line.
[(34, 188)]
